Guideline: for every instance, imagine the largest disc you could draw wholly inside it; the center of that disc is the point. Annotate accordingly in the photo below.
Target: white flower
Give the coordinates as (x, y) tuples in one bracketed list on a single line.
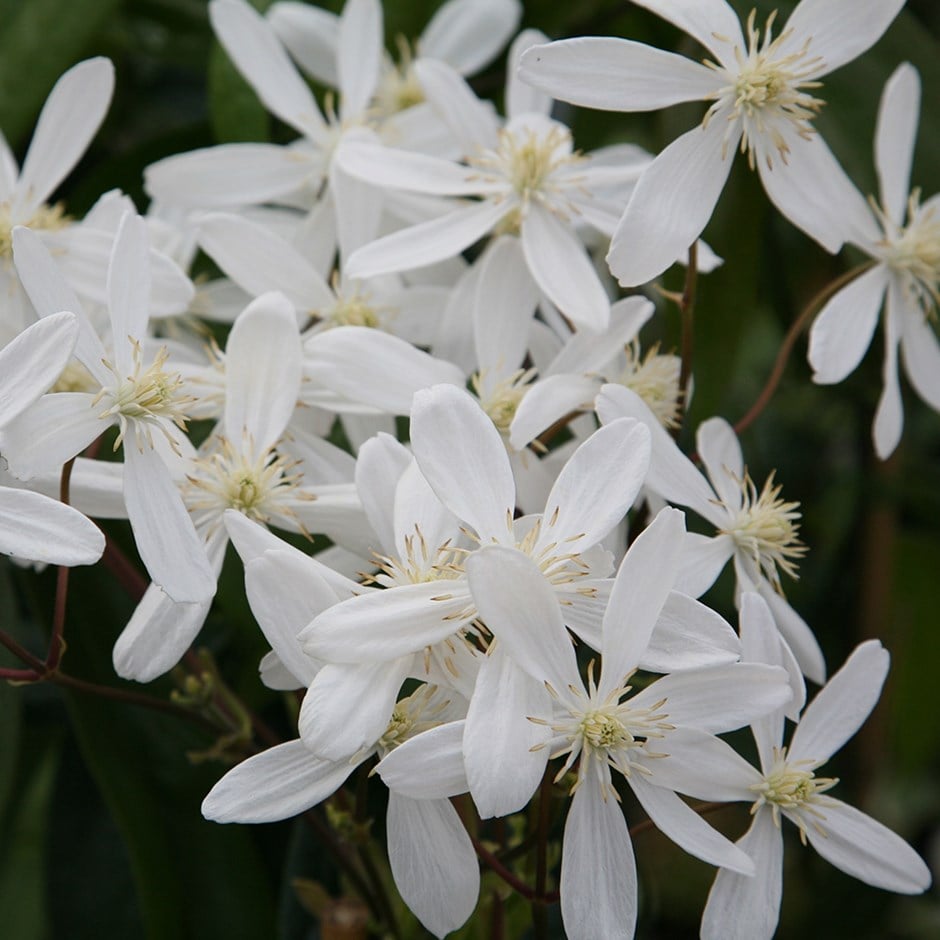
[(902, 235), (764, 93)]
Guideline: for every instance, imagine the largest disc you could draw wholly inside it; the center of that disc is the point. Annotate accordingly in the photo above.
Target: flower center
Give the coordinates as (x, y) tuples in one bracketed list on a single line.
[(417, 712), (151, 397), (915, 250), (766, 528), (399, 88), (501, 400), (768, 95), (45, 218), (420, 563), (793, 788), (655, 378)]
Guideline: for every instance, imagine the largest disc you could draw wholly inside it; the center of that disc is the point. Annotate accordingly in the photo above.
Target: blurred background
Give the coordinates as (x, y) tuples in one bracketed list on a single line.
[(100, 830)]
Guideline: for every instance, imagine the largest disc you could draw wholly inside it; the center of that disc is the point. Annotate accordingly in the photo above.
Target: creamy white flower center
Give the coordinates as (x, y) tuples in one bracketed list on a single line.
[(502, 399), (420, 563), (354, 307), (257, 485), (399, 88), (766, 528), (914, 250), (418, 712), (794, 789), (44, 218), (767, 95), (655, 378), (150, 396)]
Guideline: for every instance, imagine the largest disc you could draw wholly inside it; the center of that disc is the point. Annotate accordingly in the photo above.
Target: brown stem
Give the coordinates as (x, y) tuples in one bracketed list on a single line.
[(686, 310), (126, 573), (789, 341), (56, 640)]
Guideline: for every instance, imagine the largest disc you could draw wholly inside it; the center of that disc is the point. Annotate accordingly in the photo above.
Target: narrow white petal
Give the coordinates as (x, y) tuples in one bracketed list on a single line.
[(672, 203), (359, 55), (712, 22), (895, 134), (498, 734), (258, 54), (468, 34), (358, 212), (71, 116), (549, 401), (427, 242), (616, 74), (842, 705), (37, 528), (747, 908), (842, 331), (865, 849), (687, 829), (598, 870), (521, 97), (704, 559), (9, 170), (428, 766), (311, 35), (229, 175), (640, 590), (129, 288), (533, 633), (168, 544), (382, 461), (889, 416), (689, 635), (275, 784), (720, 450), (31, 363), (462, 456), (921, 354), (433, 862), (797, 633), (262, 372), (420, 516), (560, 265)]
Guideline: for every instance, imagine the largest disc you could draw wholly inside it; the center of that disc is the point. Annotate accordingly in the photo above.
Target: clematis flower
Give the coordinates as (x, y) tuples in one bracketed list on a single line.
[(763, 91), (902, 235)]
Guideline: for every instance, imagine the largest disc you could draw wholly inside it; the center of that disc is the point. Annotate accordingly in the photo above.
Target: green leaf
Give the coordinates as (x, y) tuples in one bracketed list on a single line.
[(41, 40)]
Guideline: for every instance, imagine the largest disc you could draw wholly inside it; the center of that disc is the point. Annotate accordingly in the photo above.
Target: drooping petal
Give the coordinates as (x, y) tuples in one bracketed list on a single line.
[(712, 22), (747, 908), (428, 766), (596, 487), (468, 34), (672, 203), (433, 862), (895, 134), (498, 733), (561, 267), (687, 828), (71, 116), (37, 528), (275, 784), (598, 870), (920, 352), (842, 705), (616, 74), (797, 633), (462, 456), (865, 849), (640, 590), (842, 331), (359, 55), (889, 416), (531, 631)]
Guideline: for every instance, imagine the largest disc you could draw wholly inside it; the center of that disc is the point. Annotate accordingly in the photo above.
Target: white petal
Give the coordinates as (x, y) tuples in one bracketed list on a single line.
[(311, 35), (704, 559), (689, 635), (598, 870), (797, 633), (596, 486), (521, 97), (468, 34), (672, 203), (275, 784), (433, 862), (616, 74), (71, 116), (428, 766), (549, 401), (720, 450), (37, 528), (462, 456), (129, 289), (842, 331), (420, 515), (348, 707), (712, 22), (687, 828), (895, 134), (640, 590), (359, 55), (889, 416), (382, 461), (229, 175), (498, 734), (742, 908), (865, 849), (532, 633), (920, 351), (168, 544), (839, 30), (258, 54), (561, 267), (31, 363), (427, 242), (842, 705), (262, 372), (358, 211)]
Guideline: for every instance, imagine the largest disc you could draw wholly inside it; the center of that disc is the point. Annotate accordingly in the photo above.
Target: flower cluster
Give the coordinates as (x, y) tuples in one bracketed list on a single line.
[(510, 603)]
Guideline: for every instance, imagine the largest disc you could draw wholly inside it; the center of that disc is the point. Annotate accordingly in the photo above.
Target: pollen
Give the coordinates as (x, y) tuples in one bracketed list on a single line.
[(420, 563), (914, 251), (768, 94), (655, 378), (45, 218), (500, 400)]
